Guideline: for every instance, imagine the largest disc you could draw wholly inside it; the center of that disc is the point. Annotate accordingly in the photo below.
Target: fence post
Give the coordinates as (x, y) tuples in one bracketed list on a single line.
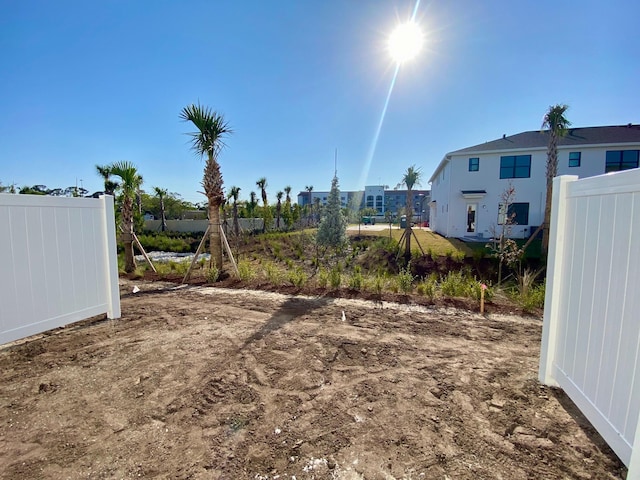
[(555, 278), (110, 257)]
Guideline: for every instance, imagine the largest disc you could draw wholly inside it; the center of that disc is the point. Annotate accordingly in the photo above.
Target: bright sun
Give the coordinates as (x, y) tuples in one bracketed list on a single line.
[(405, 42)]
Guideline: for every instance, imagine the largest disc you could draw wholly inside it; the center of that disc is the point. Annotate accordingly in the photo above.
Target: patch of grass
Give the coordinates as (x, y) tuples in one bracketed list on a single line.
[(356, 280), (428, 287), (273, 274), (298, 277), (428, 240), (335, 277), (455, 285), (323, 278)]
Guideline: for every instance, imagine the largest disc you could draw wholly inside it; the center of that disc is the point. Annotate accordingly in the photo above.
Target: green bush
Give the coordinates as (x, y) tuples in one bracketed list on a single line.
[(273, 274), (245, 270), (164, 243), (297, 277), (323, 278), (428, 287), (212, 274), (405, 280), (356, 280), (454, 285), (335, 277)]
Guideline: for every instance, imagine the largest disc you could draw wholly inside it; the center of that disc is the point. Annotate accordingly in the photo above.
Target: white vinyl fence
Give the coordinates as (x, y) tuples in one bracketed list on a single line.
[(58, 262), (591, 330)]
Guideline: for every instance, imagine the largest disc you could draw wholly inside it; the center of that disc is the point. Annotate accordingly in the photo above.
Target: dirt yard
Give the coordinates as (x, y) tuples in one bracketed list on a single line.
[(209, 383)]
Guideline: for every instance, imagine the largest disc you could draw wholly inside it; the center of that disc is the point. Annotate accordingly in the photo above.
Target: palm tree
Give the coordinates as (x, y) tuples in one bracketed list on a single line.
[(161, 193), (278, 208), (262, 185), (412, 177), (557, 124), (252, 208), (109, 185), (235, 193), (129, 185), (287, 191), (212, 128), (309, 189)]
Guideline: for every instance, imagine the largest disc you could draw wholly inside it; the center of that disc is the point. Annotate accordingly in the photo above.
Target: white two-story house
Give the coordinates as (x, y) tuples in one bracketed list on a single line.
[(467, 185)]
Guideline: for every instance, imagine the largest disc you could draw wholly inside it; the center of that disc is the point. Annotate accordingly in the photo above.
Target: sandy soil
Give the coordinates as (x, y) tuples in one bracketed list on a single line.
[(210, 383)]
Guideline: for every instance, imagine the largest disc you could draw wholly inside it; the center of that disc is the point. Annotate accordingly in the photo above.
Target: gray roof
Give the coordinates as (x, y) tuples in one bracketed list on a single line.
[(575, 136)]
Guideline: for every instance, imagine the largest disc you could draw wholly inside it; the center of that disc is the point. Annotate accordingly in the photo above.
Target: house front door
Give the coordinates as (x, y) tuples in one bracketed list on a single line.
[(471, 217)]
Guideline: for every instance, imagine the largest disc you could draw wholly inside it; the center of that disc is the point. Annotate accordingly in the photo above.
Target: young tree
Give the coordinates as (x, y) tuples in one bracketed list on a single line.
[(287, 214), (235, 192), (252, 208), (411, 178), (309, 205), (130, 181), (332, 231), (504, 248), (208, 140), (557, 123), (161, 193)]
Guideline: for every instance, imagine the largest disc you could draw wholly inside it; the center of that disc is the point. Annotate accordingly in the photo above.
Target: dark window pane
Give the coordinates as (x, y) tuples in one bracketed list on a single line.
[(574, 159)]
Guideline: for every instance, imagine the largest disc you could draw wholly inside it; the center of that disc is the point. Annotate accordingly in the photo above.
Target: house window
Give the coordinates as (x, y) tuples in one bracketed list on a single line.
[(574, 159), (621, 160), (515, 166), (518, 214), (474, 164), (369, 201)]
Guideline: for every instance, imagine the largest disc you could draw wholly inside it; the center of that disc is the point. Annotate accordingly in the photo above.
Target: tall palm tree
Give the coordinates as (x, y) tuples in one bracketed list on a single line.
[(212, 128), (557, 123), (252, 208), (278, 208), (309, 189), (109, 185), (130, 181), (235, 193), (411, 177), (262, 185), (161, 193), (287, 191)]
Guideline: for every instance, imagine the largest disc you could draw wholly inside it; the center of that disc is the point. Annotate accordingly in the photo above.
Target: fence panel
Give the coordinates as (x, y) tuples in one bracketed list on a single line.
[(591, 330), (59, 263)]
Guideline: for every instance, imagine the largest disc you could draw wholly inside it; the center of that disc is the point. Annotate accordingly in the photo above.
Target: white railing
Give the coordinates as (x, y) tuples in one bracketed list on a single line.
[(591, 330), (58, 262)]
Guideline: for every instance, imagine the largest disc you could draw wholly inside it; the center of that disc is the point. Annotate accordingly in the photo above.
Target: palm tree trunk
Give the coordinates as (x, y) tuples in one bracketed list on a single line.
[(127, 237), (552, 171), (163, 217), (236, 225), (215, 239), (407, 248)]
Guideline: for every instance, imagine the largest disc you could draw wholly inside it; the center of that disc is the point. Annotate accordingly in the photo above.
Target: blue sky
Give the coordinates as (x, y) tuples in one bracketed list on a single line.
[(86, 83)]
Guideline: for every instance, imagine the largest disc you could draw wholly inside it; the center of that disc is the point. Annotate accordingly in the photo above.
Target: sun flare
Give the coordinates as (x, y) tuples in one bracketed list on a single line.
[(405, 42)]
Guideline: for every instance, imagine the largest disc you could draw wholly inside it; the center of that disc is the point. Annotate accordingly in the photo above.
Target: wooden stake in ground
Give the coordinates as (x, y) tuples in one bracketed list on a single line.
[(199, 251), (144, 254)]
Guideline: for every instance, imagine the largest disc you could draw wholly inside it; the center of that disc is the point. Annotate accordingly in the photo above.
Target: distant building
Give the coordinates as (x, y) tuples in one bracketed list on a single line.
[(377, 197), (467, 184)]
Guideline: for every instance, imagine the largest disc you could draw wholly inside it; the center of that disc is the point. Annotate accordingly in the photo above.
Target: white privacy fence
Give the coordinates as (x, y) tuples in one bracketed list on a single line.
[(58, 262), (591, 331)]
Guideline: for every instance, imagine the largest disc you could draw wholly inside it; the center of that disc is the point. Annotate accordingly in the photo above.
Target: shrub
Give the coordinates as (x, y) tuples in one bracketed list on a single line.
[(428, 287), (298, 277), (323, 278), (273, 273), (212, 274), (454, 285), (533, 299), (405, 280), (356, 280), (245, 270), (335, 277)]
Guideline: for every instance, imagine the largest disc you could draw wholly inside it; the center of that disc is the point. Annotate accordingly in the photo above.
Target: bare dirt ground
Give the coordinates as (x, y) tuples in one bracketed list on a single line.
[(210, 383)]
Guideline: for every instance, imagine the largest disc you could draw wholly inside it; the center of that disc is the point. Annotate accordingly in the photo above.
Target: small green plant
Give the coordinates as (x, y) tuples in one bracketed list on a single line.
[(534, 299), (178, 267), (458, 256), (356, 280), (245, 270), (212, 274), (454, 285), (273, 273), (428, 287), (297, 277), (405, 280), (323, 278), (335, 277)]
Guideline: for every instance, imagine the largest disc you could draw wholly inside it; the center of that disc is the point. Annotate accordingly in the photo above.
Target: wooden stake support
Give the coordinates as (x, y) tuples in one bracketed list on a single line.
[(144, 254), (225, 243)]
